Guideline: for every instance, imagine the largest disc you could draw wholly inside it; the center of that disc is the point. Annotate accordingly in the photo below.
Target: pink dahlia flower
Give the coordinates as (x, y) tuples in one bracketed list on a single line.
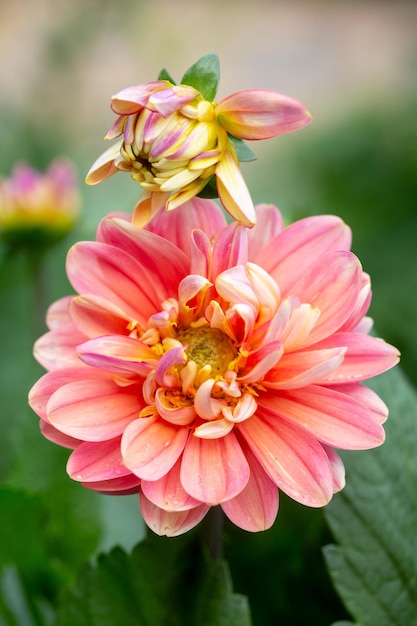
[(173, 142), (206, 364)]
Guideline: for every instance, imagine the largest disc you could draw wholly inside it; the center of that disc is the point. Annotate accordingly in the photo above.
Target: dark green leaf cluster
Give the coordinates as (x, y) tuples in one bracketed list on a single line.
[(374, 520), (161, 583)]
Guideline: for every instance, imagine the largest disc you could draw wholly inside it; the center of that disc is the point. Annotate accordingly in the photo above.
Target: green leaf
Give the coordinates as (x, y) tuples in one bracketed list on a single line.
[(165, 75), (216, 603), (243, 152), (18, 607), (209, 190), (204, 76), (374, 519), (19, 505), (163, 581)]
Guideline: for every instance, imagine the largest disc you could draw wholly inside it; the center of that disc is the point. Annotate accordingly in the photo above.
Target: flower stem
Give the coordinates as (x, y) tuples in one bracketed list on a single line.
[(213, 532), (39, 289)]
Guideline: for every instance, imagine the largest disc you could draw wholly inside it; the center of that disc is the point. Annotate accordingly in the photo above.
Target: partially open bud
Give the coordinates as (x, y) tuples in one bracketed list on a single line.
[(174, 141)]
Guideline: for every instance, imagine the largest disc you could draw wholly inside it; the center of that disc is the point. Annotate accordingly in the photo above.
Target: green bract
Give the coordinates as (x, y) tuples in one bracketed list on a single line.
[(204, 76)]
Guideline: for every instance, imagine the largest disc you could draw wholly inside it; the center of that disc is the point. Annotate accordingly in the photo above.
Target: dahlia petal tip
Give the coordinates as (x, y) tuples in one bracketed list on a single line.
[(130, 100), (104, 166), (261, 114)]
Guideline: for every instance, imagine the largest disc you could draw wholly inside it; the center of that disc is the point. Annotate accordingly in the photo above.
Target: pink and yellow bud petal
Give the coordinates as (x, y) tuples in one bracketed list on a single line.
[(167, 101), (233, 191), (104, 166), (132, 99), (261, 114)]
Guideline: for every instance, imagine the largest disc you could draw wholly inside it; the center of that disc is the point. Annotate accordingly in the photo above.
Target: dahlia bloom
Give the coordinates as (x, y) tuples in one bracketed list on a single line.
[(174, 141), (47, 203), (207, 364)]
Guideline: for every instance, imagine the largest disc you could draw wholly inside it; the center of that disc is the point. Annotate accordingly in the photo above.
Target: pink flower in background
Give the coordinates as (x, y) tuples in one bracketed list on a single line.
[(206, 364), (173, 141), (49, 202)]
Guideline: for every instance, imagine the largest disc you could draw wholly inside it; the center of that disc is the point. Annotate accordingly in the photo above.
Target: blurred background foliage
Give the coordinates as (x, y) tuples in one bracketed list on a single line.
[(354, 65)]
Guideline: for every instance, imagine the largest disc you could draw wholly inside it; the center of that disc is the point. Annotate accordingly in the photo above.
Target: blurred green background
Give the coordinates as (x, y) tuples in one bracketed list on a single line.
[(354, 65)]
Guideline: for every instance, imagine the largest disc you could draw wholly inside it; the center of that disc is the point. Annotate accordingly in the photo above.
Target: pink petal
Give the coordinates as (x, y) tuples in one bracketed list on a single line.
[(214, 470), (240, 320), (191, 142), (260, 361), (265, 289), (256, 506), (56, 349), (54, 435), (235, 287), (175, 356), (118, 354), (167, 139), (164, 263), (301, 320), (332, 287), (205, 405), (112, 274), (116, 128), (178, 415), (230, 248), (192, 293), (269, 224), (201, 254), (92, 462), (334, 418), (368, 398), (292, 457), (50, 382), (338, 469), (170, 100), (168, 493), (122, 486), (365, 357), (177, 226), (95, 316), (261, 114), (214, 429), (151, 447), (356, 318), (132, 99), (233, 192), (299, 369), (170, 523), (93, 410), (289, 255), (57, 315)]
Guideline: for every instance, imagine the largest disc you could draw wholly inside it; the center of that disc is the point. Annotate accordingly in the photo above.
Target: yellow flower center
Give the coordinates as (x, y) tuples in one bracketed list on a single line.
[(208, 347)]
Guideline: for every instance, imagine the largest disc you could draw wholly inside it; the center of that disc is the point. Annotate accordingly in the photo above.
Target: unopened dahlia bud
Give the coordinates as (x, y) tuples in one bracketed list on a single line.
[(38, 208), (174, 140)]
